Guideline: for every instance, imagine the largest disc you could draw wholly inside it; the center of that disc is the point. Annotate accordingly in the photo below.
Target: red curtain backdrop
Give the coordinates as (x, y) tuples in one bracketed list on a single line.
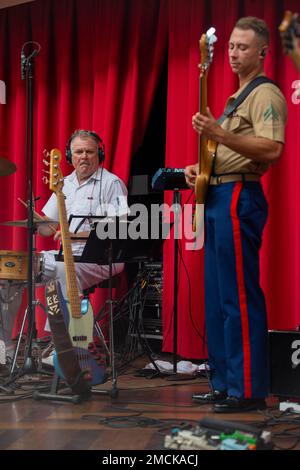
[(98, 68)]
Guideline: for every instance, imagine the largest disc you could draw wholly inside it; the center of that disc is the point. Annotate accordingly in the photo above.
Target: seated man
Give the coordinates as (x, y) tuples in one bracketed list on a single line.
[(89, 190)]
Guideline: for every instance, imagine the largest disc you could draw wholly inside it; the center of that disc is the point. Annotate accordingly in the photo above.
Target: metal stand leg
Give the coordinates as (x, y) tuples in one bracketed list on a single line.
[(14, 361), (114, 390), (102, 338), (53, 395), (18, 343)]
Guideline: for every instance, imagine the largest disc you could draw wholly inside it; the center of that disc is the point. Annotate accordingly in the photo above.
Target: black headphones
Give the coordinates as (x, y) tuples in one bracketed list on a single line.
[(86, 133)]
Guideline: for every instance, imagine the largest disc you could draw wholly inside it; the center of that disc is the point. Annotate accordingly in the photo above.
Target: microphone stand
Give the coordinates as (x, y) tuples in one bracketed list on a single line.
[(27, 73), (175, 375)]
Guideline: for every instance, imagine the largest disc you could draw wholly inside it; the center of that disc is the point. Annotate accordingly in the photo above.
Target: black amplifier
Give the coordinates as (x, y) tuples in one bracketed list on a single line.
[(284, 347)]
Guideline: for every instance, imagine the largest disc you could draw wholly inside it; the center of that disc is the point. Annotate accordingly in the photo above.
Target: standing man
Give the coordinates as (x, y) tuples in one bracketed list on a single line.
[(89, 190), (249, 141)]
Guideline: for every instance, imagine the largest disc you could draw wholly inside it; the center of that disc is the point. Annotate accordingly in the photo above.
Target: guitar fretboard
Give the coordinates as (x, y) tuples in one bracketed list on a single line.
[(72, 288)]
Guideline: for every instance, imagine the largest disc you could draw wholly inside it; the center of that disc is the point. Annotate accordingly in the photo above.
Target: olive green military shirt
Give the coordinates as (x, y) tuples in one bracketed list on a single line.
[(262, 114)]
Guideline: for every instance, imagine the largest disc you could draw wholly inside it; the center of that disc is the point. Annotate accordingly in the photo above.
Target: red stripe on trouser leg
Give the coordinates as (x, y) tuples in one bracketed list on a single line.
[(241, 288)]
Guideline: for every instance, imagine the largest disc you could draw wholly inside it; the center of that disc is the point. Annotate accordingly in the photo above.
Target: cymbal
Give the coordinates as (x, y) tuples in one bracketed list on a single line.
[(6, 167), (24, 223)]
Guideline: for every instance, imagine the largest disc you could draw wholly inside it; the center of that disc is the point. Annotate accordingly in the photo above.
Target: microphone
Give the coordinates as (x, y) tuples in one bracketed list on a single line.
[(25, 61), (23, 65)]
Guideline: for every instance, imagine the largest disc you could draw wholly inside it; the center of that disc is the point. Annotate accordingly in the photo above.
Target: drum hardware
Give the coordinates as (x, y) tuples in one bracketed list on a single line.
[(13, 279), (6, 167), (37, 303), (9, 290), (16, 273), (24, 223), (37, 215)]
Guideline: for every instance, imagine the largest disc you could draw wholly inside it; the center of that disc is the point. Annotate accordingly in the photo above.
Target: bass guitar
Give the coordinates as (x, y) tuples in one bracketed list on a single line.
[(206, 148), (77, 313)]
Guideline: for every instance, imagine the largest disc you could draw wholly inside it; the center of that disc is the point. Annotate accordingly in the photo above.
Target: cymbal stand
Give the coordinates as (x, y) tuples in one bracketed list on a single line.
[(29, 362)]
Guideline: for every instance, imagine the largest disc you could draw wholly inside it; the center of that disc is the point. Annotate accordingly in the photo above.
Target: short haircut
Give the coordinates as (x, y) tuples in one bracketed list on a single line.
[(84, 134), (258, 25)]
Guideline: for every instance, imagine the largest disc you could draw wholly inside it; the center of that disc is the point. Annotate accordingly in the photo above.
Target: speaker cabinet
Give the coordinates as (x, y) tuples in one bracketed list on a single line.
[(284, 347)]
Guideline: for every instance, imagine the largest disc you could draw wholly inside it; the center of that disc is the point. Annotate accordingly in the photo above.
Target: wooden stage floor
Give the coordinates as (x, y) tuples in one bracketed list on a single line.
[(139, 418)]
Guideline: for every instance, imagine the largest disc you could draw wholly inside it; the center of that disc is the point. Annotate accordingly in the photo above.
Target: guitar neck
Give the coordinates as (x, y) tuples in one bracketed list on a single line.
[(72, 288), (202, 141)]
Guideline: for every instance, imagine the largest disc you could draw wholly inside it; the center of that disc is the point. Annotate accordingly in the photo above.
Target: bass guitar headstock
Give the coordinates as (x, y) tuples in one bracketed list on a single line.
[(56, 180), (206, 45)]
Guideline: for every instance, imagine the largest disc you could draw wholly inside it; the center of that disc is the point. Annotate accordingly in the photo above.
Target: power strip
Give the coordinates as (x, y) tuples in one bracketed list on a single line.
[(289, 405)]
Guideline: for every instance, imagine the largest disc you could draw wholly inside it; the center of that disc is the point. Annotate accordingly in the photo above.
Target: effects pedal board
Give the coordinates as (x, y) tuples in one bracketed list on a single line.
[(212, 434)]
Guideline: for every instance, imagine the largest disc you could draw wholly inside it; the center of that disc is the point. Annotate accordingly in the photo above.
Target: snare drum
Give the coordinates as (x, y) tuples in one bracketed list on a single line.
[(14, 265)]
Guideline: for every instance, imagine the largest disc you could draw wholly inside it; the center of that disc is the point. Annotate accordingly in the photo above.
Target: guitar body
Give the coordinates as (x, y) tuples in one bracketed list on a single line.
[(202, 180), (93, 372)]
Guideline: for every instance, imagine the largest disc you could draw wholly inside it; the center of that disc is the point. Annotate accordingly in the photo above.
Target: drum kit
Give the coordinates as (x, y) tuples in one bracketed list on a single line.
[(14, 264), (14, 274)]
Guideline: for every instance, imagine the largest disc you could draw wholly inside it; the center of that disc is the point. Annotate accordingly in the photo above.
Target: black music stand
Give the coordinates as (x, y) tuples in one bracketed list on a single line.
[(124, 249), (118, 250)]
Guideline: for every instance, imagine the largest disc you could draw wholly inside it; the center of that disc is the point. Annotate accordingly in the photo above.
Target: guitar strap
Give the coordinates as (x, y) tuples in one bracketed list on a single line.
[(66, 356), (231, 107), (243, 95)]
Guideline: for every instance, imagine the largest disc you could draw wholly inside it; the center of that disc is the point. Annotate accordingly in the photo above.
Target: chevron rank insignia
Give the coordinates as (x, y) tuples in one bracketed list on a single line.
[(271, 114)]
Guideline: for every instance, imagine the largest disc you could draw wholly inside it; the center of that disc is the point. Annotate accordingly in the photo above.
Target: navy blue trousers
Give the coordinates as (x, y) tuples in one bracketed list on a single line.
[(235, 312)]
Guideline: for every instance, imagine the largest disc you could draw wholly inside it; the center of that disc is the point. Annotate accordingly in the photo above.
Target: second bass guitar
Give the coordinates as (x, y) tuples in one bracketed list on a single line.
[(78, 315)]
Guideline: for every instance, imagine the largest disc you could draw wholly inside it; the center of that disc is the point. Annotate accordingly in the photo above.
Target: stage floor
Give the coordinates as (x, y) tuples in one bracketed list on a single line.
[(143, 413)]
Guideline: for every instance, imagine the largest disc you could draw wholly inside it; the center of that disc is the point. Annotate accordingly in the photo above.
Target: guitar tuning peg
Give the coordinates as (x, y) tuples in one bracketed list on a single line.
[(46, 162), (46, 153), (46, 171), (45, 180)]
